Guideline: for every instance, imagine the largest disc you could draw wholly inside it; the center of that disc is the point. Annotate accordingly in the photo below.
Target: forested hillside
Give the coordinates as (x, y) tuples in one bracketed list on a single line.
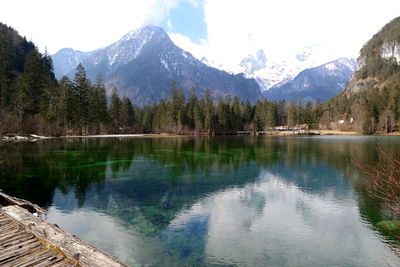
[(144, 63), (372, 98), (27, 83), (32, 101)]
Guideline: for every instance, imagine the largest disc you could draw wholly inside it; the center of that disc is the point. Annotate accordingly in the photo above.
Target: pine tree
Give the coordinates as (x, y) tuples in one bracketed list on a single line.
[(65, 102), (115, 110), (199, 115), (127, 113), (177, 102), (259, 116), (98, 104), (292, 115), (14, 51), (247, 115), (208, 118), (81, 100), (191, 109), (236, 115), (30, 85), (309, 116), (224, 115)]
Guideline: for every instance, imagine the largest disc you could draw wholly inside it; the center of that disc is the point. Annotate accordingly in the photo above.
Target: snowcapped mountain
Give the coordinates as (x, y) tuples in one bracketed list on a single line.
[(319, 83), (268, 73), (144, 63), (255, 63), (66, 60)]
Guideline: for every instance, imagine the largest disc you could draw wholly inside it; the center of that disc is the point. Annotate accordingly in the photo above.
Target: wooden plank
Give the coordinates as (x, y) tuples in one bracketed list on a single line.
[(4, 221), (20, 248), (9, 226), (73, 248), (64, 263), (16, 240), (20, 252), (17, 247), (30, 259), (6, 200), (50, 261), (9, 233)]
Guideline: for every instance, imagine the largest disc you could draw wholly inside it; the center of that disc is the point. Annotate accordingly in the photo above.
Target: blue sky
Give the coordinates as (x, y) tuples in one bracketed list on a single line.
[(300, 33), (187, 19)]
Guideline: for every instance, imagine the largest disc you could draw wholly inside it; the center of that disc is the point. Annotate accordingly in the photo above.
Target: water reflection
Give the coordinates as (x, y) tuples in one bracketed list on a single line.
[(274, 223), (247, 201)]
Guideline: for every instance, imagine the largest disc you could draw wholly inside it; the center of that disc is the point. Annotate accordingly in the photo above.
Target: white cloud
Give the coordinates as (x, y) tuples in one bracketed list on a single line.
[(169, 24), (82, 25), (240, 220), (285, 28), (325, 30), (197, 50)]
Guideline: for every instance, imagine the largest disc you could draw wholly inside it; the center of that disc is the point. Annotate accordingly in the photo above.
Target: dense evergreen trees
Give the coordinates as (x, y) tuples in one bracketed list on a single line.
[(27, 84), (40, 104), (194, 115), (37, 103), (374, 95), (33, 101)]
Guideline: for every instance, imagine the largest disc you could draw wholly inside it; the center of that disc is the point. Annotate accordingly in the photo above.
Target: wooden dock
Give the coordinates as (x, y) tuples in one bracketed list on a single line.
[(28, 240), (19, 247)]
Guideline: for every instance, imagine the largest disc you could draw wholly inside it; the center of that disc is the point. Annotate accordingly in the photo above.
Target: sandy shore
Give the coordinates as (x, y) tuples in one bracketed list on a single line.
[(336, 132), (162, 135), (311, 132), (33, 138)]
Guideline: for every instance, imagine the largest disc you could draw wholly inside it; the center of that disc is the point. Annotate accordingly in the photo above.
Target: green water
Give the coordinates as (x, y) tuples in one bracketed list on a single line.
[(222, 201)]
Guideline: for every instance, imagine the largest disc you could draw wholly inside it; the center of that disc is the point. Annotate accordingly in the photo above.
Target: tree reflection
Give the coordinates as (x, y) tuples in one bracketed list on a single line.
[(147, 182)]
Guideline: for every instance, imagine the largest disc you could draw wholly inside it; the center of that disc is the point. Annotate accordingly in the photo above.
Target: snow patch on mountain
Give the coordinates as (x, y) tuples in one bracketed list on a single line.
[(318, 83), (165, 64), (268, 73), (129, 46), (330, 66), (67, 59), (143, 64)]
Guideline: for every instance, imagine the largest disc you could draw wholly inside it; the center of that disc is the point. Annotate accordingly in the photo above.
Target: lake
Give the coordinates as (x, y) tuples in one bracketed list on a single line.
[(211, 201)]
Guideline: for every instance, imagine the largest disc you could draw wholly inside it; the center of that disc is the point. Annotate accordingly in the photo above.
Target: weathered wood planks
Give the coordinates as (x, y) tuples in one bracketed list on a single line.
[(63, 245), (27, 240), (20, 248), (6, 200)]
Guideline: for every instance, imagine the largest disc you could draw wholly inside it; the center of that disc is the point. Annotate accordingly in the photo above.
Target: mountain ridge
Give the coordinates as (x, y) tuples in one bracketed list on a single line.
[(317, 83), (144, 63)]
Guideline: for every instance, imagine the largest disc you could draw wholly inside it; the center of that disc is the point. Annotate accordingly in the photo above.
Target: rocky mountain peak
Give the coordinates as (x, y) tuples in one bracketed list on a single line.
[(145, 34), (391, 50), (253, 63), (318, 83), (144, 63), (379, 59)]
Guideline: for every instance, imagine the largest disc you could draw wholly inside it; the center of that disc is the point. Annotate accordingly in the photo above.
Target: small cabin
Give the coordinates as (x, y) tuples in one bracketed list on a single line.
[(342, 119)]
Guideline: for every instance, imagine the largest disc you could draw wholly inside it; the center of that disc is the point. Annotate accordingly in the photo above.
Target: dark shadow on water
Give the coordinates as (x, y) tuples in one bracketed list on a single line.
[(147, 183)]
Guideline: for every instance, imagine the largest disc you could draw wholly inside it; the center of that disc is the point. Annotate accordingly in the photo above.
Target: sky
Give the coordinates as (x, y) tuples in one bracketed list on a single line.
[(224, 31)]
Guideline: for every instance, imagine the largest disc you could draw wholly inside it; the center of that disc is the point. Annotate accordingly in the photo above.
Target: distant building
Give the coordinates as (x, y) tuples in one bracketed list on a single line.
[(342, 119)]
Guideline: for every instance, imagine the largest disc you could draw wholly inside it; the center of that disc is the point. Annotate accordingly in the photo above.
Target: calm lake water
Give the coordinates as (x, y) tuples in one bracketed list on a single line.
[(221, 201)]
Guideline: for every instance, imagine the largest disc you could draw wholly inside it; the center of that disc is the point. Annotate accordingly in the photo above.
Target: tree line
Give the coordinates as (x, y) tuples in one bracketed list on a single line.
[(375, 109), (33, 101), (178, 114), (375, 104), (78, 107)]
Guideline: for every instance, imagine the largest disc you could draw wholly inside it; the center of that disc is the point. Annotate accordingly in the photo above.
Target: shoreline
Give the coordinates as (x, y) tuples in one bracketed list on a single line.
[(34, 138), (35, 241)]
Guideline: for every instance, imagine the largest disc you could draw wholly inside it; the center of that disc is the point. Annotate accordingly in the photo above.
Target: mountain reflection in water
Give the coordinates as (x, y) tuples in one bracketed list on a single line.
[(246, 201)]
